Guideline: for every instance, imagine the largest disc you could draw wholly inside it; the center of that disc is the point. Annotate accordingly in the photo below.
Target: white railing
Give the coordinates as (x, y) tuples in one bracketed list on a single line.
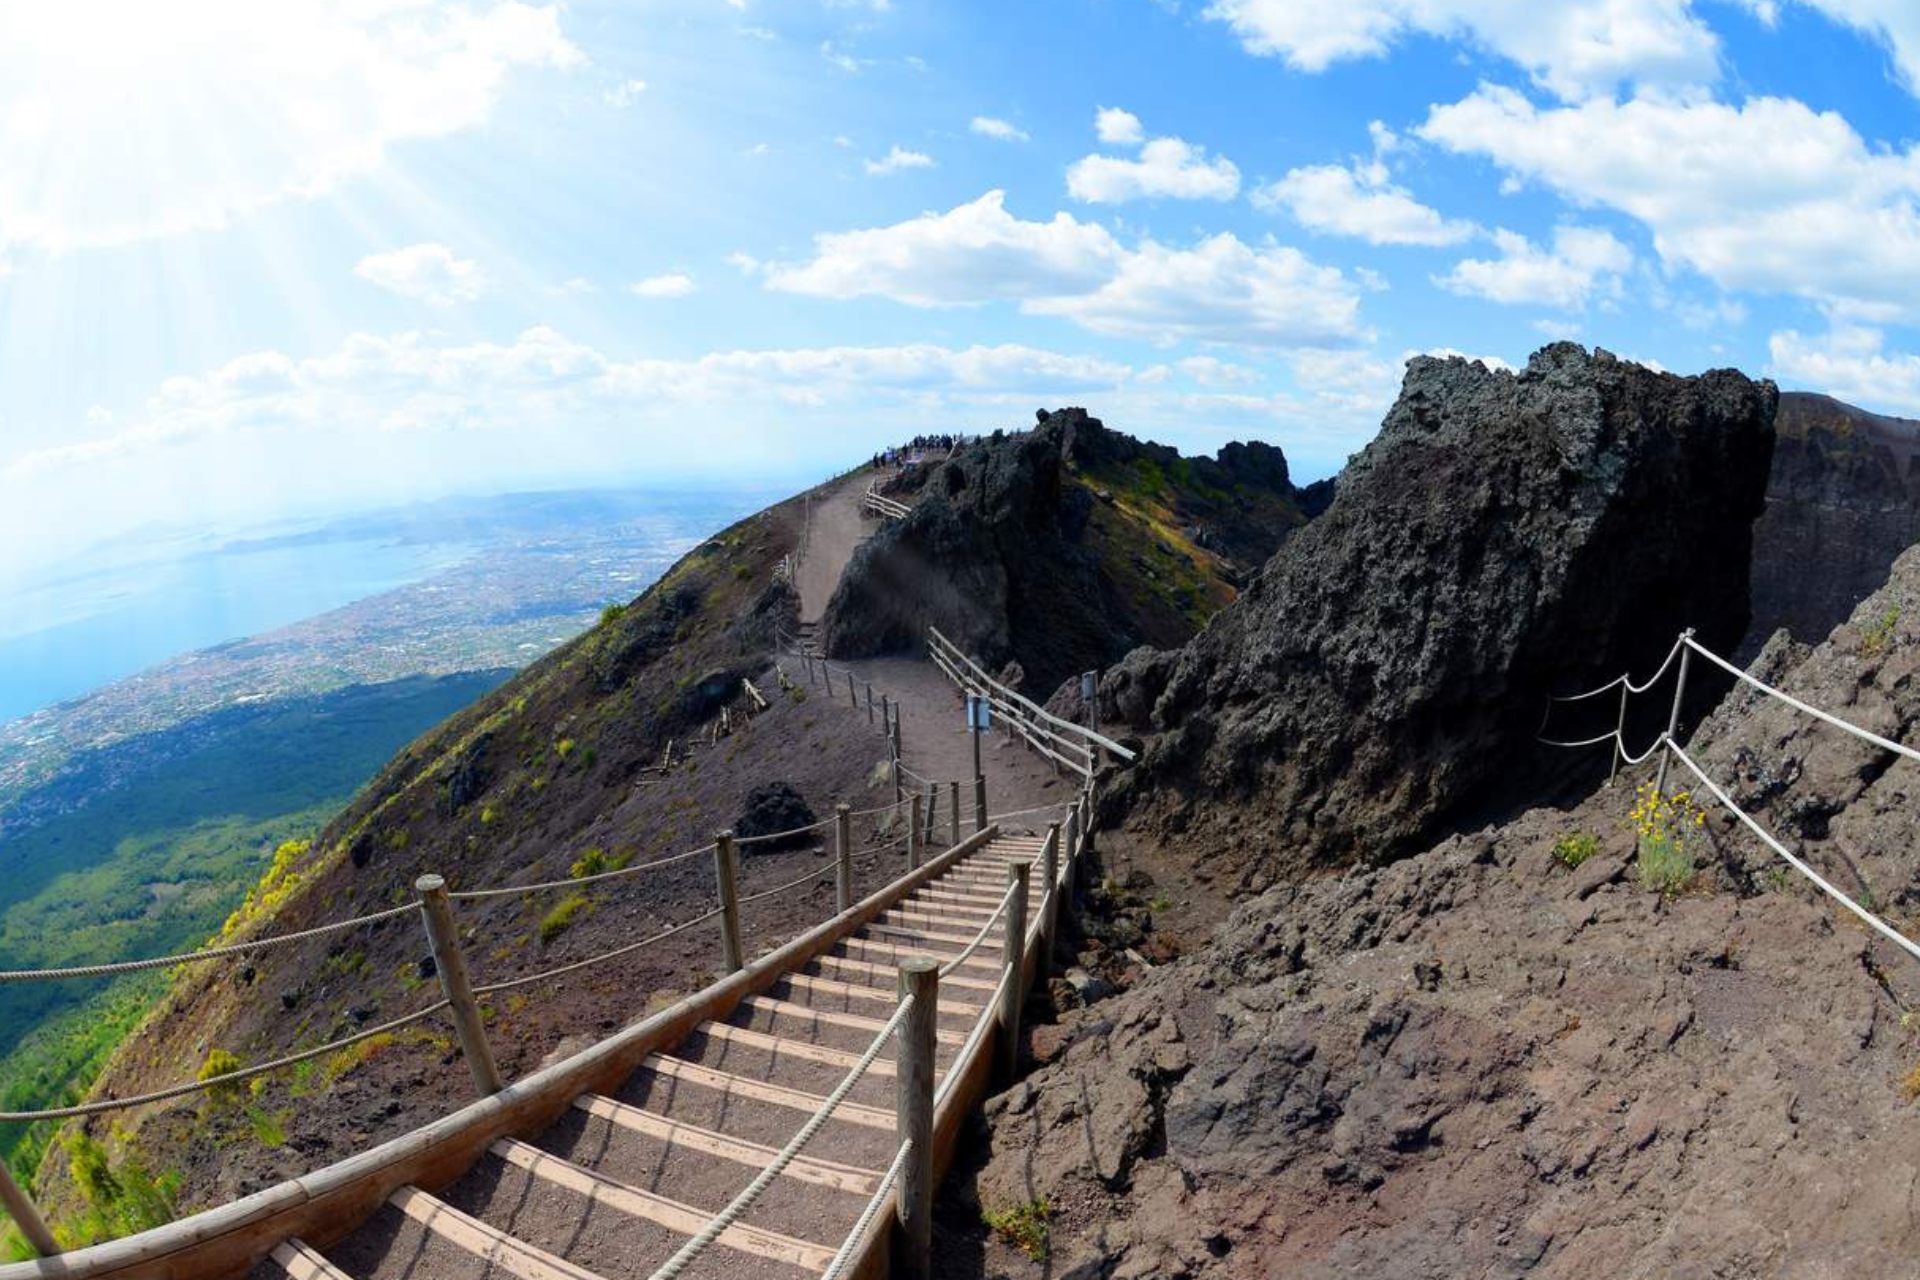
[(878, 504), (1669, 748)]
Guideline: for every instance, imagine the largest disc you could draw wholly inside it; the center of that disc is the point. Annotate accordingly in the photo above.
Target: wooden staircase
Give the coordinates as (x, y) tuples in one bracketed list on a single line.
[(618, 1183)]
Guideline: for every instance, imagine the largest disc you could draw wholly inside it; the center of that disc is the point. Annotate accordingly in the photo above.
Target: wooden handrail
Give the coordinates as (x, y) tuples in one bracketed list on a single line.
[(1080, 731)]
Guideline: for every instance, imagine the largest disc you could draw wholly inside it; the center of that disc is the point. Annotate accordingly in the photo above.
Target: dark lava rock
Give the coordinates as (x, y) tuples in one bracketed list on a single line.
[(1003, 553), (1842, 502), (1507, 537), (775, 806), (465, 779)]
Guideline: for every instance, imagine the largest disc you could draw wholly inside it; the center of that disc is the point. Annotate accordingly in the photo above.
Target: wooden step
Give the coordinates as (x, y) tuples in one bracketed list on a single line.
[(832, 1018), (658, 1209), (955, 941), (301, 1262), (893, 953), (754, 1155), (512, 1256), (761, 1091), (847, 964), (872, 995), (777, 1045)]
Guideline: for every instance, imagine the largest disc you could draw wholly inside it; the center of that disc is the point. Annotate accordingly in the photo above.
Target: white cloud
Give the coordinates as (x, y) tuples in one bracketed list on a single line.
[(1167, 167), (1360, 201), (1122, 128), (1211, 371), (266, 102), (1768, 196), (745, 263), (426, 272), (974, 253), (390, 419), (1583, 260), (676, 284), (1850, 362), (1220, 290), (840, 58), (572, 287), (1576, 48), (997, 129), (898, 158), (626, 93)]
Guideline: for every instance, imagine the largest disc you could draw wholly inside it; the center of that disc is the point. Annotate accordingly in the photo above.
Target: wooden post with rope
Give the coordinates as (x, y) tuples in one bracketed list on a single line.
[(450, 962)]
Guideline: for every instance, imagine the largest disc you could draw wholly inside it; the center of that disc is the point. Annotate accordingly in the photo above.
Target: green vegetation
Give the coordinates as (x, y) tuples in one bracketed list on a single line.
[(1880, 634), (195, 816), (1024, 1226), (1776, 879), (560, 919), (1574, 848), (220, 1063), (1666, 828), (612, 613), (120, 1200)]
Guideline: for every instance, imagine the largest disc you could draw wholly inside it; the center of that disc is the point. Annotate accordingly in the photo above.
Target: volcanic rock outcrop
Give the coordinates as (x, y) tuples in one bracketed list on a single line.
[(1505, 538), (1843, 501), (1481, 1061), (1063, 547)]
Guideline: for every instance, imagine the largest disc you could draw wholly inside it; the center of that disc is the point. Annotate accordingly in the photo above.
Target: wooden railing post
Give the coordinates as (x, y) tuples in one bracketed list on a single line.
[(933, 807), (886, 716), (980, 802), (853, 694), (915, 834), (953, 810), (726, 870), (869, 704), (1049, 904), (1013, 991), (26, 1215), (914, 1058), (1086, 821), (450, 962), (843, 868), (1073, 833), (893, 755)]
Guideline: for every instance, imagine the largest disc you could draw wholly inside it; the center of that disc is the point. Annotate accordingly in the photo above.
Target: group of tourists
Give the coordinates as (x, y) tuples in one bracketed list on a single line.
[(914, 451)]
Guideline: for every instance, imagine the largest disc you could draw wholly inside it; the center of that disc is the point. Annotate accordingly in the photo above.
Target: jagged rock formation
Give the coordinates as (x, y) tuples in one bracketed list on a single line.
[(1477, 1061), (1064, 547), (1844, 500), (1506, 537)]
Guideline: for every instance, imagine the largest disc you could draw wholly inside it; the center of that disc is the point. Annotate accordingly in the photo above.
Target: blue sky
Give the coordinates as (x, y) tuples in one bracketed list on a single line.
[(262, 260)]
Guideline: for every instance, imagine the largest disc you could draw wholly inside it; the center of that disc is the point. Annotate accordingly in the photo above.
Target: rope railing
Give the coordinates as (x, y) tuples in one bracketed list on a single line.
[(738, 1207), (545, 975), (818, 873), (1686, 644), (952, 966), (474, 895), (784, 835), (1066, 731), (837, 1268), (206, 953), (225, 1078)]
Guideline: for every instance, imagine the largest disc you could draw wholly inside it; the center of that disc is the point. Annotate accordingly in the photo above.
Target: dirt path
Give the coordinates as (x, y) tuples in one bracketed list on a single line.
[(835, 529)]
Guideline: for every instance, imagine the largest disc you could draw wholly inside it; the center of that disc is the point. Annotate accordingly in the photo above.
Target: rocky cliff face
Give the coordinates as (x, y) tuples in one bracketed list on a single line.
[(1063, 547), (1843, 501), (1506, 537), (1479, 1061)]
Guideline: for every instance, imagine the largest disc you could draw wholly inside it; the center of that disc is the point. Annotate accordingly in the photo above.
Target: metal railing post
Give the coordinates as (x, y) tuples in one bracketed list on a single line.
[(450, 962), (916, 1047), (726, 870), (915, 834), (26, 1215), (843, 867), (1620, 737), (953, 810), (1012, 990), (1673, 721), (1049, 903)]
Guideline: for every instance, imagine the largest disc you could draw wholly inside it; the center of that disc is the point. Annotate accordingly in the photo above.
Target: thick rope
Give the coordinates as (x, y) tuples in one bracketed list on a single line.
[(510, 983), (875, 1203), (1798, 705), (231, 1077), (469, 895), (1624, 679), (692, 1249), (1867, 917), (948, 969), (210, 953), (818, 873), (783, 835)]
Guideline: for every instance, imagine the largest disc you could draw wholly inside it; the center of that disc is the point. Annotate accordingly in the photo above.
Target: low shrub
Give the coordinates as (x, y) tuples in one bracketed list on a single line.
[(1024, 1226), (560, 919), (1574, 848)]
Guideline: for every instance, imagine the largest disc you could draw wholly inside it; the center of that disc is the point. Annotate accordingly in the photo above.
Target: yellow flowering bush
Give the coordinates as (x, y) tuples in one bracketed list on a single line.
[(1667, 829)]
